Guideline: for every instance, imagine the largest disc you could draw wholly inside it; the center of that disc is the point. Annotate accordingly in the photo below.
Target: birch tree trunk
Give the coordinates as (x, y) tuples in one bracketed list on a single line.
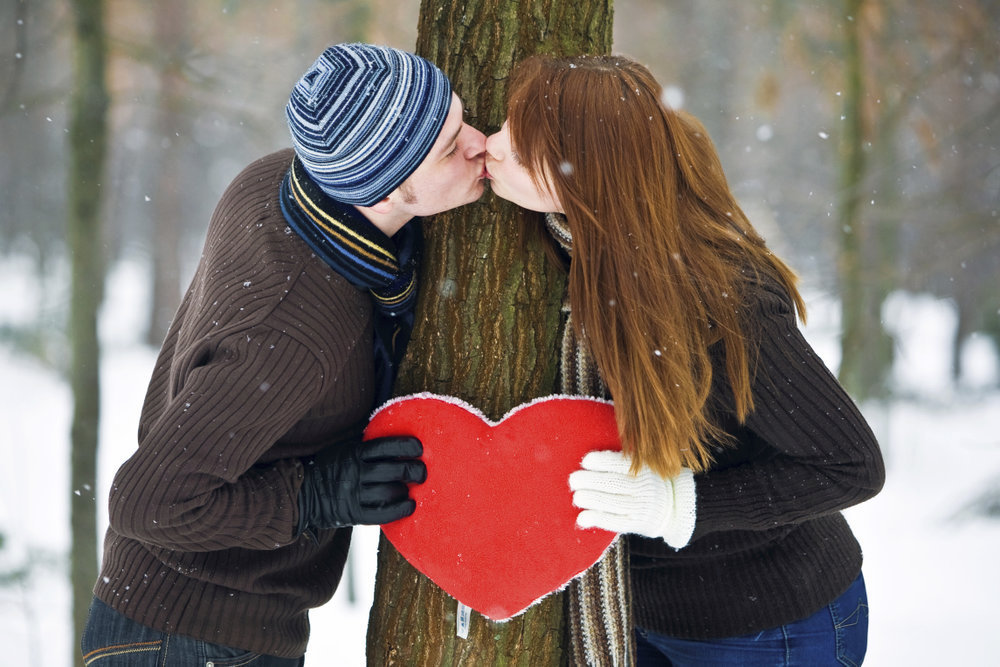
[(487, 319)]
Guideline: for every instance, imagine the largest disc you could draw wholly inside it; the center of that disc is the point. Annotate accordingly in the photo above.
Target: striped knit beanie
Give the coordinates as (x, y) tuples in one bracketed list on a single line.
[(364, 117)]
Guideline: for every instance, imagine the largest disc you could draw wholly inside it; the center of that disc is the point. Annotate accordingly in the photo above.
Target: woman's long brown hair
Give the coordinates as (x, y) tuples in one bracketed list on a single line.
[(662, 253)]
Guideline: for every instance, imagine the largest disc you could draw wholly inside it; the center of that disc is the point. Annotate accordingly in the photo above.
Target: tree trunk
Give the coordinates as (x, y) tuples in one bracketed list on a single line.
[(868, 246), (172, 21), (487, 320), (853, 165), (880, 346), (87, 136)]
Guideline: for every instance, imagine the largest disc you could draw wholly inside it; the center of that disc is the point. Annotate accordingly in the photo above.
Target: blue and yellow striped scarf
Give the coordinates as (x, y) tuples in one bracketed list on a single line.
[(359, 251)]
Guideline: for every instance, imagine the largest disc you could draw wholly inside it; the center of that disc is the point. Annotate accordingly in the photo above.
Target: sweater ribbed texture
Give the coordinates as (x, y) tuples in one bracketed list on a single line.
[(769, 545), (269, 359)]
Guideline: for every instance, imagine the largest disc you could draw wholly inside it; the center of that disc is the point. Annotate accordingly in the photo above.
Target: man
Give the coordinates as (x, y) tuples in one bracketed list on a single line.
[(232, 519)]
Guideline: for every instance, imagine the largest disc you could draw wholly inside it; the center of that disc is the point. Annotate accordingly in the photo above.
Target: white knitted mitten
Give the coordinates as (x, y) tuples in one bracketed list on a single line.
[(614, 499)]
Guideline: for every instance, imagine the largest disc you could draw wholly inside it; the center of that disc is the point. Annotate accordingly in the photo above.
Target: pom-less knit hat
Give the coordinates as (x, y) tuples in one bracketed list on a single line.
[(364, 117)]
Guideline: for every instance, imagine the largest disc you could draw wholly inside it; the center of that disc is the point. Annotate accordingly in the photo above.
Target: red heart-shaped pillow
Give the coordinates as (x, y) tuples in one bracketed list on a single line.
[(495, 525)]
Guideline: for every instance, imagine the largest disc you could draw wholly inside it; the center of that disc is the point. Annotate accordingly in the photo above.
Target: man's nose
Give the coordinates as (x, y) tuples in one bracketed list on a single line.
[(475, 142)]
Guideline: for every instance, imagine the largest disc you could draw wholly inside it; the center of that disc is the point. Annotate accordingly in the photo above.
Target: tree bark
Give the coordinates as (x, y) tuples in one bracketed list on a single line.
[(868, 246), (852, 176), (487, 319), (172, 21), (87, 137)]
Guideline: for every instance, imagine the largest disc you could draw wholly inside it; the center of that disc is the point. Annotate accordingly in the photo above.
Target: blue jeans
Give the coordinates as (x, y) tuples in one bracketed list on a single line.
[(835, 635), (111, 640)]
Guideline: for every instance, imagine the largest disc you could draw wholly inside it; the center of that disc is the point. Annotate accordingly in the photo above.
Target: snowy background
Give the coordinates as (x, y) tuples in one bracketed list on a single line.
[(930, 562)]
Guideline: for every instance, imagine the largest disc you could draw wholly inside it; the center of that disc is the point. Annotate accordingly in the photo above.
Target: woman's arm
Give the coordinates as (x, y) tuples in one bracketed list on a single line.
[(819, 454)]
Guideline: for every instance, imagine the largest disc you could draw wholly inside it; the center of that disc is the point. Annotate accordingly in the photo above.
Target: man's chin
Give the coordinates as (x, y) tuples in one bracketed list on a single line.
[(477, 191)]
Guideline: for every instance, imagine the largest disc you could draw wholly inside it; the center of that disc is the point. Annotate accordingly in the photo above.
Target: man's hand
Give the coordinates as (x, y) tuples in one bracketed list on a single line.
[(361, 483)]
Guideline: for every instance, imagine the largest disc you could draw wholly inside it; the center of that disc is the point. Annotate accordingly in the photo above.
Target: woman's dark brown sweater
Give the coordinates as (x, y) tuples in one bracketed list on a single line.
[(269, 358), (770, 545)]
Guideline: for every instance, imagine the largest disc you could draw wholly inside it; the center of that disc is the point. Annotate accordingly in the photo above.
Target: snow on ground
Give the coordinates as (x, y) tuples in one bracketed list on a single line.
[(931, 570)]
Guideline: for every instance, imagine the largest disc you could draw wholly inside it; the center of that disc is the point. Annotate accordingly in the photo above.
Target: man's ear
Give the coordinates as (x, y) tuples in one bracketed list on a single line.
[(386, 214), (384, 206)]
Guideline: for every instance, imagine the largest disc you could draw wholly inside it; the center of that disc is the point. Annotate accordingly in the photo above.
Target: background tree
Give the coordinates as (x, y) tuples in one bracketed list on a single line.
[(172, 126), (767, 78), (87, 138), (487, 319), (892, 85), (863, 362)]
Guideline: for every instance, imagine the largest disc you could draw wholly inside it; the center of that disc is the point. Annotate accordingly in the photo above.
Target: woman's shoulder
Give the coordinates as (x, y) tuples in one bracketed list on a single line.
[(766, 296)]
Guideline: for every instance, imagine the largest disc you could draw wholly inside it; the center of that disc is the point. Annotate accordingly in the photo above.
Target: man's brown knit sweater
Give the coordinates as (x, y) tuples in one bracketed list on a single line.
[(268, 359), (770, 545)]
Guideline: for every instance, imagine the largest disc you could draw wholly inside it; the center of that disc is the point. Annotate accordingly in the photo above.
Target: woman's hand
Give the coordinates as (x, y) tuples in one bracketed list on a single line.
[(614, 499)]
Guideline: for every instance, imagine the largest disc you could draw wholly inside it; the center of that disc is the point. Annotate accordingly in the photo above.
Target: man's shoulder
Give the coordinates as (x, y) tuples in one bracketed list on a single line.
[(255, 188), (279, 159), (269, 170), (249, 241)]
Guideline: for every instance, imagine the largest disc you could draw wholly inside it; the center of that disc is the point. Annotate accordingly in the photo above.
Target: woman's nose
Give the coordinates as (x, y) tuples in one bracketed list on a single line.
[(493, 146)]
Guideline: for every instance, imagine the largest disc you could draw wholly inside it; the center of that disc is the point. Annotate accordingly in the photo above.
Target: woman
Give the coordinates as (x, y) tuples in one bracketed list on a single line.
[(740, 447)]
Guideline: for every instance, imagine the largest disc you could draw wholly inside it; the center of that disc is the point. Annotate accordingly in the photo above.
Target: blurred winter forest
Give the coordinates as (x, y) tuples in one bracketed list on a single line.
[(861, 137), (864, 148)]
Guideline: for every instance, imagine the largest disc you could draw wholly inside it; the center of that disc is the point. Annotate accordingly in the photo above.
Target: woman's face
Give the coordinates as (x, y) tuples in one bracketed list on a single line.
[(511, 180)]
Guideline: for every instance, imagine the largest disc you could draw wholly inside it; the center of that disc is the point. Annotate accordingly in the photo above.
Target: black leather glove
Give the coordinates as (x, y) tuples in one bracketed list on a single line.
[(360, 483)]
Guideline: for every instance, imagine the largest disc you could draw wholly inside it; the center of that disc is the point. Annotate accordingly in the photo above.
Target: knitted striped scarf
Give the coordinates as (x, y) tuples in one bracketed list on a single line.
[(359, 251), (600, 602)]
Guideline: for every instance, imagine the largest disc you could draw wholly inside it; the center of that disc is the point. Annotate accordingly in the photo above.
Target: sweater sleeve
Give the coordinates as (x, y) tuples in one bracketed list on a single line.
[(194, 484), (817, 454)]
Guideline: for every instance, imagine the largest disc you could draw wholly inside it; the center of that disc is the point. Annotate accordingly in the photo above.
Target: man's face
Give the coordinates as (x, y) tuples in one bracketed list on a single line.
[(452, 173)]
